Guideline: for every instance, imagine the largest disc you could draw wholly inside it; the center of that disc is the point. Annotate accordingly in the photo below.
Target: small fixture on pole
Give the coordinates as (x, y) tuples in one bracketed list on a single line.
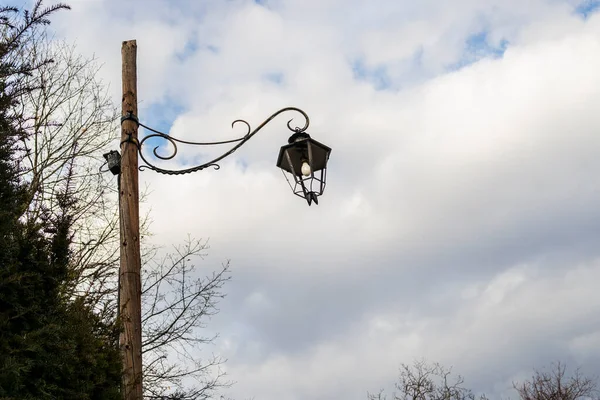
[(113, 159)]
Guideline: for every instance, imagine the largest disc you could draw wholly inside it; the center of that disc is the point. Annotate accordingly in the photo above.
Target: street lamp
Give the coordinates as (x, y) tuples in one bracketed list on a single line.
[(303, 158)]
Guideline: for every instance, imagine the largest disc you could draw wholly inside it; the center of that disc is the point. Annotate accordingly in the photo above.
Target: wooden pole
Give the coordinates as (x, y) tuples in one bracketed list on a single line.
[(130, 339)]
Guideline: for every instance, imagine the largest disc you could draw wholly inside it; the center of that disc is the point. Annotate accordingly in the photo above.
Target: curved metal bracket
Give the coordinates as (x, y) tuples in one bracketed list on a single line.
[(213, 163)]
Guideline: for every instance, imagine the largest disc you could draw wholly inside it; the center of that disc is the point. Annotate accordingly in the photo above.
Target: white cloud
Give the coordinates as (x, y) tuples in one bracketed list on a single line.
[(460, 219)]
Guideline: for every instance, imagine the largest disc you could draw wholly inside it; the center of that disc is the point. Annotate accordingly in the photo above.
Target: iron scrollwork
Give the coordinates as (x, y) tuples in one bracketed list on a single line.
[(212, 163)]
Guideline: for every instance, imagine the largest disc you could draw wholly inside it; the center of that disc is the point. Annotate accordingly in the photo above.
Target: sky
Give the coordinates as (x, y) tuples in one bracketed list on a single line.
[(460, 222)]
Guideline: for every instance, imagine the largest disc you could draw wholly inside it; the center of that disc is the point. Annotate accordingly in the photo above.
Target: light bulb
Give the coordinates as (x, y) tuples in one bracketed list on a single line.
[(305, 169)]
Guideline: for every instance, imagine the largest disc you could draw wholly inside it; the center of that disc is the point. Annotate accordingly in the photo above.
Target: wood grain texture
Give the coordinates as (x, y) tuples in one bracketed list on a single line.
[(130, 339)]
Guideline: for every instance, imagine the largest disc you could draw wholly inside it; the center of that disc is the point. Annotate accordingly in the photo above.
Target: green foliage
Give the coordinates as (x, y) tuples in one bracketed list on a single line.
[(51, 346)]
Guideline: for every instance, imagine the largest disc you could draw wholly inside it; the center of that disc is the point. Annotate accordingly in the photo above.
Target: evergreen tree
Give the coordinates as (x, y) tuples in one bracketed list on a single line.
[(51, 346)]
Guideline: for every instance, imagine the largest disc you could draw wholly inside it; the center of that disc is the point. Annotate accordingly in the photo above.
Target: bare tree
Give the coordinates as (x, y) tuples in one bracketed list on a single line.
[(555, 385), (176, 302), (69, 119), (423, 381), (71, 122)]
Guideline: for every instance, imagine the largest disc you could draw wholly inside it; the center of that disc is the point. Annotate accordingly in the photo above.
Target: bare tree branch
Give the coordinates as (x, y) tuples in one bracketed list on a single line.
[(555, 385), (423, 381), (176, 304)]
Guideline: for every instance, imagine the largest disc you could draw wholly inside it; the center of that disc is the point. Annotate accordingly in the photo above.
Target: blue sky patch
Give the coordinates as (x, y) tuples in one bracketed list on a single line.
[(376, 76), (159, 116), (192, 47), (274, 77), (242, 163), (477, 47), (478, 43), (587, 8)]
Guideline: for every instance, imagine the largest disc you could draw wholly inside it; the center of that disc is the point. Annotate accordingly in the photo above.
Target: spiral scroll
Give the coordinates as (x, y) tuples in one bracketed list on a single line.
[(213, 163)]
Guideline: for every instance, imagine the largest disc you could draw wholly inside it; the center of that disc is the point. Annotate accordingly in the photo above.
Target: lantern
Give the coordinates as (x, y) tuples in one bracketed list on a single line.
[(306, 160)]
